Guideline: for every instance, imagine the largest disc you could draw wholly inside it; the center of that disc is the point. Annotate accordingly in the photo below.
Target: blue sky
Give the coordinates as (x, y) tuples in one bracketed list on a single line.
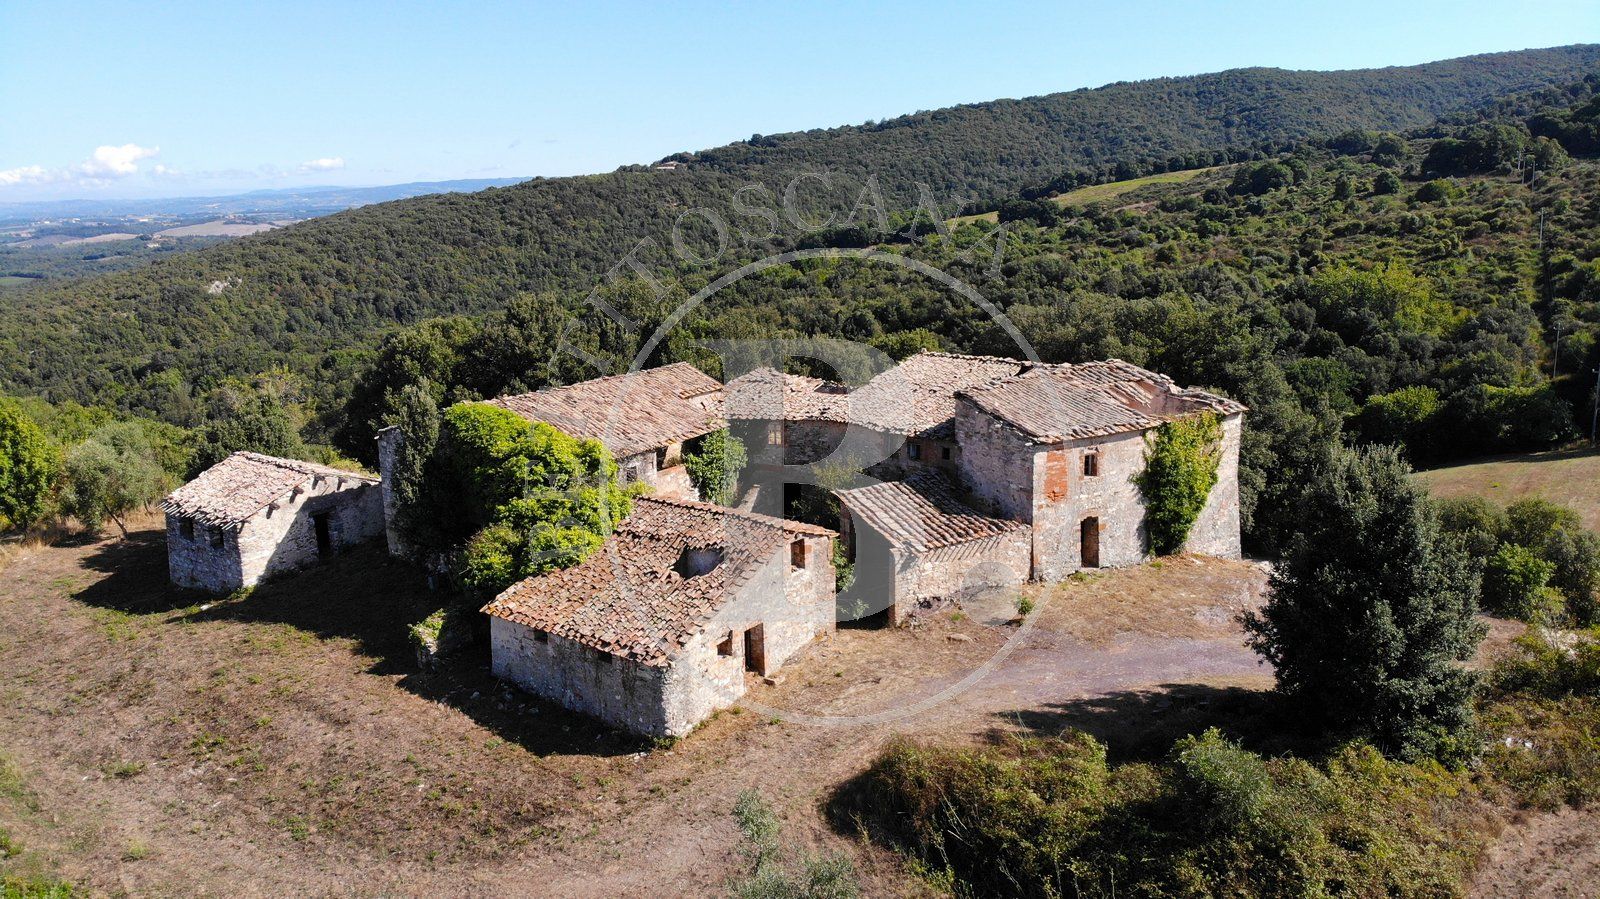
[(149, 99)]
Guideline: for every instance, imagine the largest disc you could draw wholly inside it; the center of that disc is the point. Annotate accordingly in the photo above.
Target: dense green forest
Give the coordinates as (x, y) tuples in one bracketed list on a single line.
[(311, 299)]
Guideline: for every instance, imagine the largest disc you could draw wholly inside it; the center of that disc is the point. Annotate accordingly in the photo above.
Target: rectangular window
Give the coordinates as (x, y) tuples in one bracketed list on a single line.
[(725, 648), (944, 453), (186, 528), (605, 657), (540, 636), (797, 554), (216, 538), (914, 451), (1091, 464), (774, 433)]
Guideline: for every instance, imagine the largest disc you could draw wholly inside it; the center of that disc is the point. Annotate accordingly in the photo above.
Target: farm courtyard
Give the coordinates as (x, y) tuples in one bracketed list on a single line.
[(285, 741)]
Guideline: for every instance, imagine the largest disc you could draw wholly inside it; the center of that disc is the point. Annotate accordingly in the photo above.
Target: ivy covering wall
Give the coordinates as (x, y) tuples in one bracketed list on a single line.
[(1180, 469)]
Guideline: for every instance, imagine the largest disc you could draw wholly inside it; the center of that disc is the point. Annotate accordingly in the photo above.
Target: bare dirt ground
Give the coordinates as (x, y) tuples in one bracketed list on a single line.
[(156, 742)]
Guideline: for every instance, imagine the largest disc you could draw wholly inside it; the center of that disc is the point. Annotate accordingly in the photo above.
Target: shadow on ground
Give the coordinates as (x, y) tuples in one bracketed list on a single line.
[(367, 598)]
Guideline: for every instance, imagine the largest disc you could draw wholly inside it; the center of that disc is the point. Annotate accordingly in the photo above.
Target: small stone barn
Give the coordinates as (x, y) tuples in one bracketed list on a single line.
[(252, 516), (663, 625), (1058, 447), (915, 543)]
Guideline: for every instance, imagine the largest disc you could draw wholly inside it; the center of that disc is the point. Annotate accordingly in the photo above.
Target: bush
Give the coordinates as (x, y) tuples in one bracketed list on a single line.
[(1049, 818), (1515, 583), (772, 877), (1179, 471), (28, 468), (715, 464), (109, 475)]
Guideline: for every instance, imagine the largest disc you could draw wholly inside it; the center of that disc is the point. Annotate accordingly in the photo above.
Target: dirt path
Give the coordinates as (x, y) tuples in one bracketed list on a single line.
[(283, 742)]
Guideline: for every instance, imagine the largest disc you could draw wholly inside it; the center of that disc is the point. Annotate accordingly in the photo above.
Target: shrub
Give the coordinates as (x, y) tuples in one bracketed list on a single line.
[(1515, 583), (714, 466), (109, 475), (829, 876), (1180, 470), (28, 467)]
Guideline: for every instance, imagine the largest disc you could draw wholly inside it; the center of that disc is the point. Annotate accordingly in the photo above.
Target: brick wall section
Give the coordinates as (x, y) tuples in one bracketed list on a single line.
[(793, 606), (277, 539)]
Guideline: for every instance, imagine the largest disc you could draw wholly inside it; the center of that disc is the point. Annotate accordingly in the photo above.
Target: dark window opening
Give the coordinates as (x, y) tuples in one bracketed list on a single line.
[(944, 453), (324, 536), (540, 636), (661, 458), (605, 657), (1091, 464), (725, 648), (217, 538), (186, 528), (914, 451), (797, 554)]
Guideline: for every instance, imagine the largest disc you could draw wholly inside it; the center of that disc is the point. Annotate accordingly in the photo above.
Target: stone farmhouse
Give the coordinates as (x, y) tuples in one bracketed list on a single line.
[(251, 516), (658, 629), (979, 471)]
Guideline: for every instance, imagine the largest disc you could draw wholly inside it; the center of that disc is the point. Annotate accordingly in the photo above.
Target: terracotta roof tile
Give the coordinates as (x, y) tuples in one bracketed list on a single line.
[(628, 600), (1052, 403), (233, 490), (766, 393), (922, 512), (629, 413), (918, 396)]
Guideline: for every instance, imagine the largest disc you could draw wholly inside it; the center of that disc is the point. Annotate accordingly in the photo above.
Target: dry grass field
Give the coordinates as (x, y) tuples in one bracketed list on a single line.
[(1570, 477)]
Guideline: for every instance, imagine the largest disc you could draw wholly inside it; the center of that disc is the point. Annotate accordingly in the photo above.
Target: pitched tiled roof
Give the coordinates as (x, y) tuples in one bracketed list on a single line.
[(628, 600), (922, 512), (918, 396), (629, 413), (1052, 403), (766, 393), (233, 490)]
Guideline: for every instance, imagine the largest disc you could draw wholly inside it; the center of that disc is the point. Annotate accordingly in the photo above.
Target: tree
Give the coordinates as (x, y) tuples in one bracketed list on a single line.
[(537, 499), (1180, 469), (109, 475), (1372, 610), (1516, 582), (255, 422), (714, 466), (28, 468)]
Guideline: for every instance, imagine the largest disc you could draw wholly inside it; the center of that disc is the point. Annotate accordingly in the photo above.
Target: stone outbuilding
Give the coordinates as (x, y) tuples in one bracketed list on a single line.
[(915, 544), (1058, 447), (662, 625), (253, 516)]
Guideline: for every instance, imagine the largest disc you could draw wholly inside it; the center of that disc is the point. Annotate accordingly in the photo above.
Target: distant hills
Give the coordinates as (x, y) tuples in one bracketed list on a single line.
[(341, 281), (293, 202)]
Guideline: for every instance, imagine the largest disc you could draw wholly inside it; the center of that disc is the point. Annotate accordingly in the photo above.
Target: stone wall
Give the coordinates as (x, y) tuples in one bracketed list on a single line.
[(925, 581), (793, 606), (280, 538), (997, 464), (1216, 531), (390, 442), (622, 693)]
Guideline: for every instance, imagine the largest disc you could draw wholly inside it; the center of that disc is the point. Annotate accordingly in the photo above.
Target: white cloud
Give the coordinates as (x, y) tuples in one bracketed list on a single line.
[(116, 162), (325, 164), (28, 174)]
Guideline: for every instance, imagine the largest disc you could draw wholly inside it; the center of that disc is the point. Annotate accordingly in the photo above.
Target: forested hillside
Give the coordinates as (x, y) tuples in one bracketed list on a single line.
[(1381, 288), (313, 299)]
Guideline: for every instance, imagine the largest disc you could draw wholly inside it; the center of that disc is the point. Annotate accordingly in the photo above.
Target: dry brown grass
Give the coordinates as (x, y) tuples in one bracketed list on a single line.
[(1176, 597), (1569, 477)]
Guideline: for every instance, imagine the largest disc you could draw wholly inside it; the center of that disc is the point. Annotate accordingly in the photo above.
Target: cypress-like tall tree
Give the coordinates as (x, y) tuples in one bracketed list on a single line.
[(1372, 610)]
